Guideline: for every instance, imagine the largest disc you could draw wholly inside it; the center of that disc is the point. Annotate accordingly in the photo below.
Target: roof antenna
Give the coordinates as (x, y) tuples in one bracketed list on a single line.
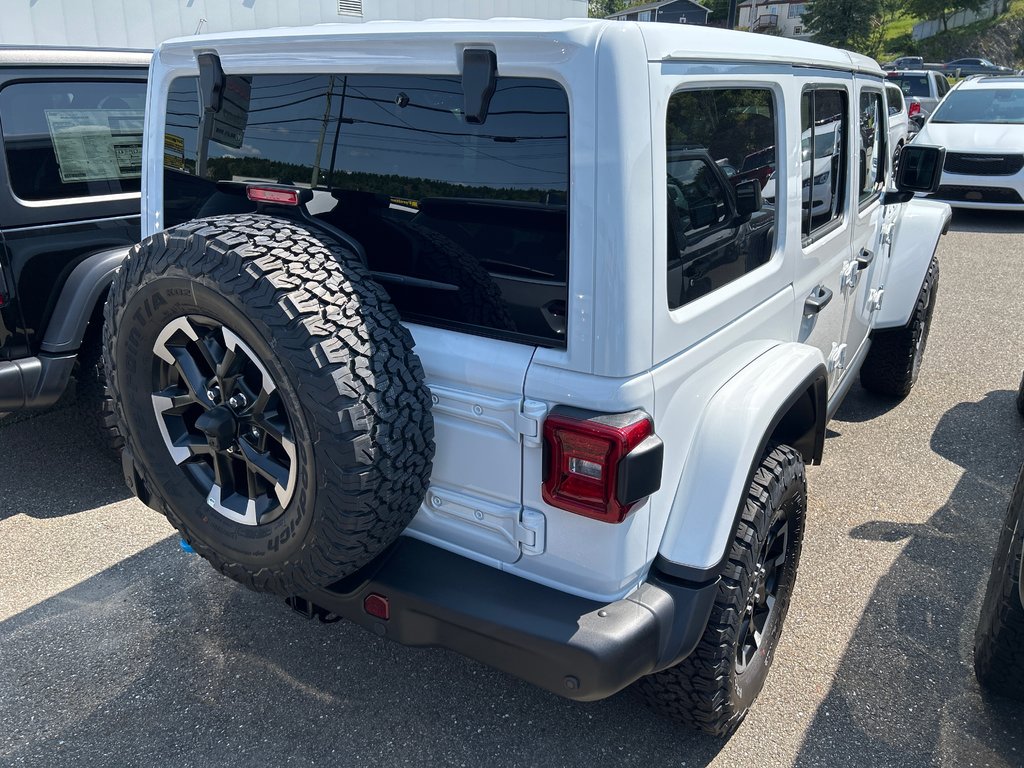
[(199, 27)]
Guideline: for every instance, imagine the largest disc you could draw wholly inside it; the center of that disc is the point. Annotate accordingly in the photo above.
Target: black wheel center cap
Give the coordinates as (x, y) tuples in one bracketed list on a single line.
[(219, 426)]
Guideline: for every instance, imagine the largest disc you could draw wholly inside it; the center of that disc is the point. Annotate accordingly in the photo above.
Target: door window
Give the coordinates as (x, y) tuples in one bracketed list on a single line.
[(73, 139), (721, 161), (872, 147), (823, 158)]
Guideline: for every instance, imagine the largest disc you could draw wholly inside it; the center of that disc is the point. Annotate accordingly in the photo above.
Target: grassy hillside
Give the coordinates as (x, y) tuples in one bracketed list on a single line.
[(1000, 39)]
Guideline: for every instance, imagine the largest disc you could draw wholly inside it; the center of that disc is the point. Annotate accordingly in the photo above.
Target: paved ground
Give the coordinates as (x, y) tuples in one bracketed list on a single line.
[(118, 649)]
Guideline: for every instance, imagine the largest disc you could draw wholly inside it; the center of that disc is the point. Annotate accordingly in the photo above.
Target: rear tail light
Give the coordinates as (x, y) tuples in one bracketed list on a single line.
[(914, 108), (600, 465), (377, 606), (276, 195)]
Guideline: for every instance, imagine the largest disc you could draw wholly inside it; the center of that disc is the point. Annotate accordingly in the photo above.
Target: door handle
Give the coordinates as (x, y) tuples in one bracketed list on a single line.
[(864, 258), (817, 301)]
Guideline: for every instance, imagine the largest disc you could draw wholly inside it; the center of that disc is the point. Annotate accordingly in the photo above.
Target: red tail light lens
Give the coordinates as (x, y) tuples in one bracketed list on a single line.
[(274, 195), (377, 606), (914, 108), (600, 465)]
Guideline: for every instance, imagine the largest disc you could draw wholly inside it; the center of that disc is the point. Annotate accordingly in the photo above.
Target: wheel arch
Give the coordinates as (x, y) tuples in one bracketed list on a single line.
[(914, 243), (779, 397), (80, 299)]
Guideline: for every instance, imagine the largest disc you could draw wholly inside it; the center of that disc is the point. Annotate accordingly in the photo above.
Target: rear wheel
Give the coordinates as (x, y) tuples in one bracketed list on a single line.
[(92, 395), (714, 687), (893, 362), (999, 641), (270, 399)]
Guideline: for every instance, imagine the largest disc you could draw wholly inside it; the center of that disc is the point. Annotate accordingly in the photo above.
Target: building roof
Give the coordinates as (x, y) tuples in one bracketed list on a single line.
[(651, 7)]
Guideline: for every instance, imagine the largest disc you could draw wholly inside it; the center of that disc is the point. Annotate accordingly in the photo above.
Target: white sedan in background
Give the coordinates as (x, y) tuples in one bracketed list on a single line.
[(981, 125)]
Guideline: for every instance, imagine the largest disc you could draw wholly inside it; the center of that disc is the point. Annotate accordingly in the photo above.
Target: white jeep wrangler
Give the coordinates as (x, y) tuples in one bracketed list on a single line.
[(641, 265)]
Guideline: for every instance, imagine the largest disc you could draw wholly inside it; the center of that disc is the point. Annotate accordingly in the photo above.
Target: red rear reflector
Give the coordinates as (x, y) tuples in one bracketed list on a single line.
[(914, 108), (583, 462), (377, 606), (273, 195)]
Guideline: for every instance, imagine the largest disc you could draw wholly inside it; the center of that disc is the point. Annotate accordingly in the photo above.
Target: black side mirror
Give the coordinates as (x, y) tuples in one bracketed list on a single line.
[(920, 171), (748, 198)]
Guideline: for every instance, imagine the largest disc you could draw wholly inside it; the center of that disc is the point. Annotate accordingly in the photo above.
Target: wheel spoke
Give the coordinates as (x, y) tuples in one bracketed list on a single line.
[(175, 400), (264, 465), (191, 375)]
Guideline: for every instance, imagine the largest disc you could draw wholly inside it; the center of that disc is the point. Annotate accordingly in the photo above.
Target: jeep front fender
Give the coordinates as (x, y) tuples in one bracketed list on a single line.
[(731, 438), (914, 241)]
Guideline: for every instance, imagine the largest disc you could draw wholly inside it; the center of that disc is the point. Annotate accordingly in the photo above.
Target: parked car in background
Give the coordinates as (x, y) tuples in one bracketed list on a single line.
[(899, 122), (981, 125), (910, 62), (999, 640), (69, 210), (922, 90), (966, 67)]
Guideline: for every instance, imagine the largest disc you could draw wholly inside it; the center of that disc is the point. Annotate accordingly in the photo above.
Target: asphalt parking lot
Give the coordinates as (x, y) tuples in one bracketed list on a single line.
[(116, 648)]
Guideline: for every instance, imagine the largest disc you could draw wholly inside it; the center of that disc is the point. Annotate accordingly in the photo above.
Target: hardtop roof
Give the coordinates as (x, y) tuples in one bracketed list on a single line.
[(56, 56), (663, 41)]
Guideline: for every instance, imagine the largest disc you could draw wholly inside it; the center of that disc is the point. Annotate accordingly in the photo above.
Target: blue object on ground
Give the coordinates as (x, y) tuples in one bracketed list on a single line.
[(185, 547)]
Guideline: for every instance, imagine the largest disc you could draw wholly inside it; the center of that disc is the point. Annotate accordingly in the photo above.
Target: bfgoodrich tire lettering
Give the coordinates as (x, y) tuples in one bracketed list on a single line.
[(713, 688), (349, 390)]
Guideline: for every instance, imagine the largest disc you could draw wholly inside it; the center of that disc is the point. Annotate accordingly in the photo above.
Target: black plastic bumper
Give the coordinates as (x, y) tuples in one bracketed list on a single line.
[(34, 382), (569, 645)]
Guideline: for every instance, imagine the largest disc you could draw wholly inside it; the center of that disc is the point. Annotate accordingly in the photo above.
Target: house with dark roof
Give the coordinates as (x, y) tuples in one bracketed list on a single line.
[(671, 11)]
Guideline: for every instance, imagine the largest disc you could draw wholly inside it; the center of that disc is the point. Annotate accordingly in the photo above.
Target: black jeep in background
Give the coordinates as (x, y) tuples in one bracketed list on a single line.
[(71, 126)]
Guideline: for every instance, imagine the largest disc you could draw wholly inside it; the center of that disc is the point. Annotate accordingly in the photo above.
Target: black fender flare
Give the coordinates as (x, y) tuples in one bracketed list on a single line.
[(82, 291)]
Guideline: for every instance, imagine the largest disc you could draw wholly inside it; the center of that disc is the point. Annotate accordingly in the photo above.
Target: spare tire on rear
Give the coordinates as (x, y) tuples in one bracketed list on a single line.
[(269, 398)]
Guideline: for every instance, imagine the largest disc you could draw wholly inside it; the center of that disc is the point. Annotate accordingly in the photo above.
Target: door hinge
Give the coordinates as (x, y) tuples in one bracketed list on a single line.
[(529, 419), (531, 532), (850, 274), (875, 299), (837, 358)]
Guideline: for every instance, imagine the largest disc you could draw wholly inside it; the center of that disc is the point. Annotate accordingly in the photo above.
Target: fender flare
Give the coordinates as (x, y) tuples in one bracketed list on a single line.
[(914, 242), (734, 431), (81, 293)]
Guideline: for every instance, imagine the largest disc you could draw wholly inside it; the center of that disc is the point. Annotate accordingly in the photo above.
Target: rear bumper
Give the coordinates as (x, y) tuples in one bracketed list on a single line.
[(34, 382), (577, 648)]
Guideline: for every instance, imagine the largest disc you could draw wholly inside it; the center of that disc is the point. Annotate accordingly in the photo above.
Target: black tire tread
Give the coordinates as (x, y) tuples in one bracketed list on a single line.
[(92, 394), (696, 691), (365, 399), (888, 369), (999, 640)]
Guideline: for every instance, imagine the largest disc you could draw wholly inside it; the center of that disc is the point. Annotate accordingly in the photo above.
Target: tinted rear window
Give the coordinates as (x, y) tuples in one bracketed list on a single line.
[(476, 215), (913, 85), (74, 138)]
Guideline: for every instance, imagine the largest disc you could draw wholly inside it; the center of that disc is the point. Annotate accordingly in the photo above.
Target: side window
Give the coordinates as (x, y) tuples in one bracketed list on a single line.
[(894, 97), (823, 157), (73, 139), (943, 84), (721, 157), (872, 146)]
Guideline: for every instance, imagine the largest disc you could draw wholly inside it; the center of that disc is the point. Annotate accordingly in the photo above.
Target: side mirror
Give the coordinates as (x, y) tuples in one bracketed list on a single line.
[(703, 214), (920, 171), (748, 198)]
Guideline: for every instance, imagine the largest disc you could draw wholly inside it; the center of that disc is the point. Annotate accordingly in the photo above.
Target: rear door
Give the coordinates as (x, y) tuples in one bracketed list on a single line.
[(465, 225)]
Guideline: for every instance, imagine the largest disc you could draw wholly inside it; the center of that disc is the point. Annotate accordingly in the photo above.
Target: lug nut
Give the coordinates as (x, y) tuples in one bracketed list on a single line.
[(237, 401), (255, 432)]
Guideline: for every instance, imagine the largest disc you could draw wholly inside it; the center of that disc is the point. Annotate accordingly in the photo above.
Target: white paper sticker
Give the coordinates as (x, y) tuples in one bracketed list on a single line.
[(96, 144)]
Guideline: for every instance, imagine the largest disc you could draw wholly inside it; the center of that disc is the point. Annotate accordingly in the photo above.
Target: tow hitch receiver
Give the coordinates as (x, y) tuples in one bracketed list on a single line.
[(310, 610)]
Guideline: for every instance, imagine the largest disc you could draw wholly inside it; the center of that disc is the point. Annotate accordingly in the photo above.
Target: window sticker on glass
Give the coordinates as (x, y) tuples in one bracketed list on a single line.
[(96, 144)]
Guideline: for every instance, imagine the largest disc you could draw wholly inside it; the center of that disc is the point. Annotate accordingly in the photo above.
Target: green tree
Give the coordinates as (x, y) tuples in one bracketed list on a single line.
[(601, 8), (943, 10), (843, 23)]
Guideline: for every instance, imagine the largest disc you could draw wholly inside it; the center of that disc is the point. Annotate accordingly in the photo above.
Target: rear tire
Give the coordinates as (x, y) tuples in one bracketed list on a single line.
[(894, 360), (270, 399), (92, 394), (714, 687), (999, 641)]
